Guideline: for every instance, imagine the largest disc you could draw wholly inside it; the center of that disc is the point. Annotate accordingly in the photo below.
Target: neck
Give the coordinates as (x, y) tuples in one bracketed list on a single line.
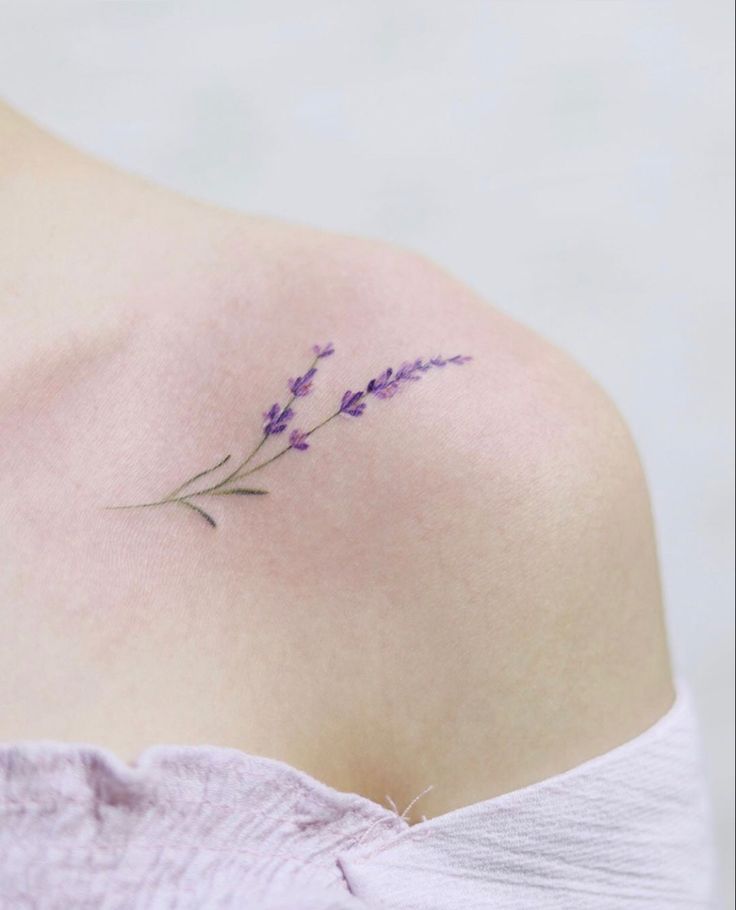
[(50, 200), (26, 149)]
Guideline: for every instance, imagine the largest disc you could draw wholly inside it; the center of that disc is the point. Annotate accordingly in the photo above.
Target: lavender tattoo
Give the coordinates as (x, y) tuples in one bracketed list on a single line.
[(276, 421)]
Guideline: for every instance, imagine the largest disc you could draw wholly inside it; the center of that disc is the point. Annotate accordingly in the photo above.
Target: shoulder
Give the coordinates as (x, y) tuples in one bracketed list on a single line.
[(492, 531), (458, 586)]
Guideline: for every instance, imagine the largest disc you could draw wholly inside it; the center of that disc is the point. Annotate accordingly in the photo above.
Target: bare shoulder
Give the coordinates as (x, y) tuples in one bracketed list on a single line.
[(448, 575), (495, 546)]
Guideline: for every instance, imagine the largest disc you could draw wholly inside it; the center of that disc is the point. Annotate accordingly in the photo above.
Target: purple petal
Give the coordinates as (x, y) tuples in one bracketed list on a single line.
[(302, 385), (323, 350), (388, 391), (351, 403), (349, 398), (405, 371), (276, 419), (298, 440), (380, 382)]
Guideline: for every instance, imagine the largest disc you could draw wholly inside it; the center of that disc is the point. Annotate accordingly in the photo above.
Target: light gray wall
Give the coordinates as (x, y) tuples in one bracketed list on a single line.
[(571, 159)]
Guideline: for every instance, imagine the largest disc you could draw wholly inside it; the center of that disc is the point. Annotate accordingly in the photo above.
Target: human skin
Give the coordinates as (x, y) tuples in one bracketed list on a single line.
[(459, 588)]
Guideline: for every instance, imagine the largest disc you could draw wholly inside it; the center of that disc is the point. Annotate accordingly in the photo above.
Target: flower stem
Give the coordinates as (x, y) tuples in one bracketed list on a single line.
[(263, 464), (236, 474), (140, 505), (201, 474)]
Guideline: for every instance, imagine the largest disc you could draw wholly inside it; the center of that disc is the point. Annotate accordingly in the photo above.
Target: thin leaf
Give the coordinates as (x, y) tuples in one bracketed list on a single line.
[(208, 518), (240, 491)]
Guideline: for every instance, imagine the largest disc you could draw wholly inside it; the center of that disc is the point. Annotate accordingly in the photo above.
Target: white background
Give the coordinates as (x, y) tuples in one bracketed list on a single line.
[(570, 159)]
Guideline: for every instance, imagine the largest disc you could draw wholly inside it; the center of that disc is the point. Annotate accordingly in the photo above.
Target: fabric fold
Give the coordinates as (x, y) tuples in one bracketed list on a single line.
[(207, 827)]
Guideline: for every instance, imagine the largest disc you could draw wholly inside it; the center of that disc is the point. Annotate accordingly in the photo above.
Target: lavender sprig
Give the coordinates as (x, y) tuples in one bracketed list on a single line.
[(353, 404), (277, 418)]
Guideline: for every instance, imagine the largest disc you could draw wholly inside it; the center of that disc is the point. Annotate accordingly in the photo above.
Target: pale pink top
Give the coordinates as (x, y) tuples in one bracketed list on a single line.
[(204, 827)]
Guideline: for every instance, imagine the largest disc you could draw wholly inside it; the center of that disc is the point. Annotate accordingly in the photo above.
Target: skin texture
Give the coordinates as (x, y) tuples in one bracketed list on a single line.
[(458, 589)]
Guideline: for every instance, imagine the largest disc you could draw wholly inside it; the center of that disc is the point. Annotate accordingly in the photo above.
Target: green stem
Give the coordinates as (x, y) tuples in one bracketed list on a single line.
[(140, 505), (217, 489), (201, 474), (212, 491), (278, 455)]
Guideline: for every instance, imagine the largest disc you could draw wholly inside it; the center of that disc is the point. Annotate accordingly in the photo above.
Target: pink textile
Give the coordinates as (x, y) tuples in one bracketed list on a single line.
[(205, 827)]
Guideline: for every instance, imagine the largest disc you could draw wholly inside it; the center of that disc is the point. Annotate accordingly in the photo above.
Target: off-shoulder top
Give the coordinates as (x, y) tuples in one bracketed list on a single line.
[(209, 827)]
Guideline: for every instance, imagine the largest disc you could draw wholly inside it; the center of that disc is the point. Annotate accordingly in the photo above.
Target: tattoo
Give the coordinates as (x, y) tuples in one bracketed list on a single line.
[(277, 419)]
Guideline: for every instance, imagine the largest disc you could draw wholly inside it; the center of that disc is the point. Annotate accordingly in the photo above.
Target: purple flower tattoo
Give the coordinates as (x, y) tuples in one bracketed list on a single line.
[(351, 403), (277, 418), (323, 350), (302, 385), (298, 440)]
